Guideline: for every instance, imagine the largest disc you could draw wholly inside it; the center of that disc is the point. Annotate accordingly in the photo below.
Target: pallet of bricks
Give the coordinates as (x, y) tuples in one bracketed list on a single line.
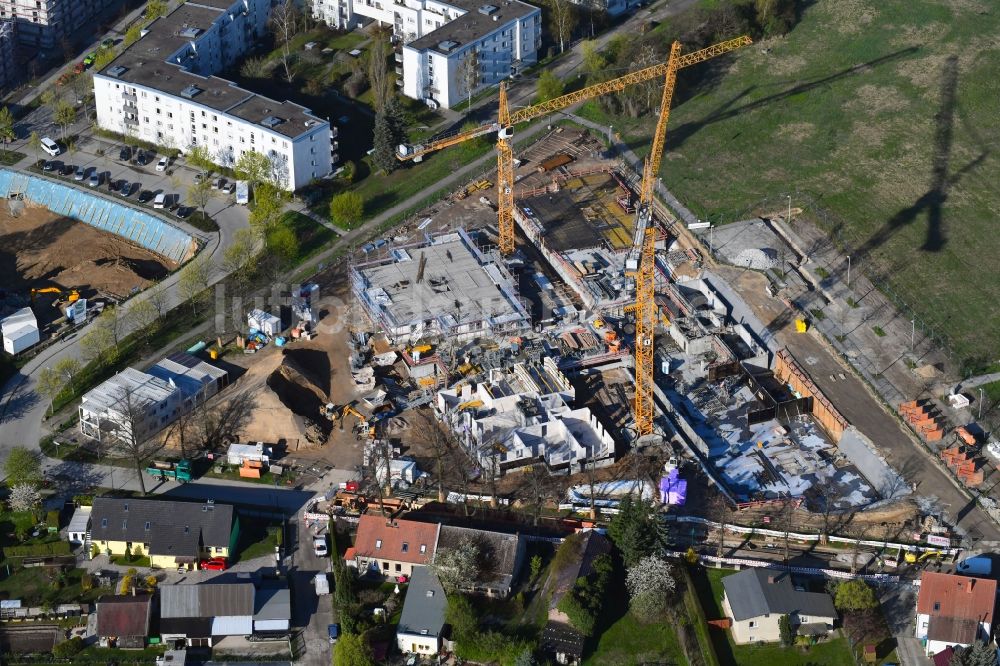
[(921, 418), (965, 463)]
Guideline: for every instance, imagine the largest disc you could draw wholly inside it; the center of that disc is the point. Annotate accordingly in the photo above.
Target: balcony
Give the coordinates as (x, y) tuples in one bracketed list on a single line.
[(129, 120), (398, 55), (399, 70), (334, 132), (128, 97)]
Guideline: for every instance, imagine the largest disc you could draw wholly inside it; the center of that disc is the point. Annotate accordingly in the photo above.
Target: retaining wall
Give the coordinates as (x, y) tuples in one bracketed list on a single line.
[(137, 226)]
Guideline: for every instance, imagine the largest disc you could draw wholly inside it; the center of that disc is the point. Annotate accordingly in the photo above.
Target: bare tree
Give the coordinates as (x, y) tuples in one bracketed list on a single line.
[(538, 487), (223, 420), (438, 440), (590, 470), (158, 298), (469, 74), (786, 515), (718, 509), (378, 73), (562, 20), (131, 413), (284, 23)]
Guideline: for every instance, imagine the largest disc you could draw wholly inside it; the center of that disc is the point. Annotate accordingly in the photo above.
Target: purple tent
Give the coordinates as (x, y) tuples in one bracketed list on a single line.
[(673, 489)]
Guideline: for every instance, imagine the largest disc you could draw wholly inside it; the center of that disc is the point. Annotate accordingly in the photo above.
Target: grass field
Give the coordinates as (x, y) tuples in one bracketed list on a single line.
[(628, 641), (881, 114)]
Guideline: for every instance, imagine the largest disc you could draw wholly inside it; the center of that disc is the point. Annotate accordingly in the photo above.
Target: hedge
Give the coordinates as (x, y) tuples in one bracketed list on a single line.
[(39, 550)]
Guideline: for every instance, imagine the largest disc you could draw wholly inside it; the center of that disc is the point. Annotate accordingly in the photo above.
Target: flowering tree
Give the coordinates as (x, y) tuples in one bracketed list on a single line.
[(650, 581), (457, 568), (24, 497)]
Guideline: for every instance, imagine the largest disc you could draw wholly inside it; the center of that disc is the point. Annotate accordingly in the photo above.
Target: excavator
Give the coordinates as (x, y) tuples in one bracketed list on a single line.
[(331, 412), (913, 558), (73, 296)]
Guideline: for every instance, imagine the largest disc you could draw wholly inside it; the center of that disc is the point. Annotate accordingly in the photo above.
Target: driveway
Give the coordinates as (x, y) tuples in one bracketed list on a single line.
[(311, 614)]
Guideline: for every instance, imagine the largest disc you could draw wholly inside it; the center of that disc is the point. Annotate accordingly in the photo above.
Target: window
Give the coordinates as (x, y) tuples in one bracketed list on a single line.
[(147, 525), (399, 567), (753, 624), (937, 605), (385, 566), (124, 524), (423, 548), (406, 547), (104, 522), (378, 543)]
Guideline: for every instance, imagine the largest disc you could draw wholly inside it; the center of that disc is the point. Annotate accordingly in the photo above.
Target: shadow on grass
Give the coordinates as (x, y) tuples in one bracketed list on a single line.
[(703, 591)]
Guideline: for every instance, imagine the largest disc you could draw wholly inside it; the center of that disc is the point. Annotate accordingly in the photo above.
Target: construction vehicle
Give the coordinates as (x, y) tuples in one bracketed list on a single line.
[(506, 120), (72, 297), (178, 471), (913, 558), (332, 413)]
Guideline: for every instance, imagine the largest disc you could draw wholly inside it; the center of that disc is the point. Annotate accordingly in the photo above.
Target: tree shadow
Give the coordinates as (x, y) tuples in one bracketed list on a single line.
[(934, 199), (19, 401)]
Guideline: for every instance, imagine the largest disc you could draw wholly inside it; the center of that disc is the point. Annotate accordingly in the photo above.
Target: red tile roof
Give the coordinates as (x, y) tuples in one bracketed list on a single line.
[(397, 540), (961, 597), (122, 616)]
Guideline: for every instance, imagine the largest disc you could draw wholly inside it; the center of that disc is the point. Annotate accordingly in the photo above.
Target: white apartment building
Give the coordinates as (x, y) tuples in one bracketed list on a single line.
[(143, 403), (43, 23), (162, 89), (524, 417), (439, 38)]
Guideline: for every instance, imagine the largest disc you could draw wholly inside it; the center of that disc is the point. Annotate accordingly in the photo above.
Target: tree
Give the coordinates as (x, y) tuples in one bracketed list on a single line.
[(584, 602), (650, 582), (281, 243), (155, 9), (550, 86), (23, 467), (854, 595), (99, 343), (470, 75), (526, 658), (458, 568), (68, 368), (159, 299), (127, 429), (775, 17), (594, 63), (378, 73), (253, 167), (35, 141), (240, 258), (562, 21), (352, 650), (24, 497), (255, 68), (199, 194), (133, 34), (977, 654), (200, 158), (142, 314), (68, 648), (785, 631), (384, 145), (50, 384), (284, 18), (267, 207), (346, 209), (193, 281), (637, 530), (103, 59), (7, 133)]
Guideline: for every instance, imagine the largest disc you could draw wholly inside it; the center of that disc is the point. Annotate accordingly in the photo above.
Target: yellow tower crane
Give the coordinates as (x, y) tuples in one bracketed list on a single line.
[(507, 119), (642, 259)]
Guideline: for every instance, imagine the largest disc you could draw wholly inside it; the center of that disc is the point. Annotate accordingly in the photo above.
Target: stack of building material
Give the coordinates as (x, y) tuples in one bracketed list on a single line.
[(922, 420), (964, 462)]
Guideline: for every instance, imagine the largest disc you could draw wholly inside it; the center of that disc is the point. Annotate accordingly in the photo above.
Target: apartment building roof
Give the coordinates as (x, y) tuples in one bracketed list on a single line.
[(145, 63), (480, 19)]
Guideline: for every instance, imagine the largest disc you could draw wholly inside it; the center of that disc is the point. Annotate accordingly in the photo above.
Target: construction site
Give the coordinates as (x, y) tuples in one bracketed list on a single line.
[(552, 316)]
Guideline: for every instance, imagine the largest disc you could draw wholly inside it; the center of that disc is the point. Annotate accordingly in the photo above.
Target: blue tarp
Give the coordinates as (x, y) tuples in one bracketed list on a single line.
[(138, 226)]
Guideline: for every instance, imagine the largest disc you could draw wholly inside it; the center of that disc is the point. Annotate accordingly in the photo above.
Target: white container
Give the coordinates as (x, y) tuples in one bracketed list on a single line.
[(20, 331)]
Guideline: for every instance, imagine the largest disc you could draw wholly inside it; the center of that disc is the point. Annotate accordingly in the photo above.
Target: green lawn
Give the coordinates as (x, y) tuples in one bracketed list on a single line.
[(40, 585), (708, 585), (851, 113), (257, 539), (313, 237), (628, 641)]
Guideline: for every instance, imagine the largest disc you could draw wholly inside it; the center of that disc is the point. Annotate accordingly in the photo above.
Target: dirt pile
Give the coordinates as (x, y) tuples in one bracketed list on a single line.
[(301, 390)]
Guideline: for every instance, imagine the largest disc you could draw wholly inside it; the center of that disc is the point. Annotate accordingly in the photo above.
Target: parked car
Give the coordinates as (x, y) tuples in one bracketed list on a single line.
[(80, 174), (79, 67), (145, 196), (218, 183), (125, 154), (126, 188), (107, 43), (68, 170), (114, 185), (90, 58), (213, 564), (163, 163), (334, 632), (184, 212), (319, 546), (160, 200), (142, 158), (95, 179), (64, 79), (229, 187), (49, 165), (50, 146)]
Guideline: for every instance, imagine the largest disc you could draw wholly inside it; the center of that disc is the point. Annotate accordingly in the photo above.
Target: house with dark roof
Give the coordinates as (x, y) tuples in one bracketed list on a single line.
[(500, 556), (422, 621), (755, 600), (391, 547), (123, 620), (200, 614), (954, 610), (171, 534)]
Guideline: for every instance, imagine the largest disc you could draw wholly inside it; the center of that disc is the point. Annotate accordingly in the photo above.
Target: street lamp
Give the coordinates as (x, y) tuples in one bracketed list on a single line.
[(788, 220), (848, 271), (913, 333), (980, 418)]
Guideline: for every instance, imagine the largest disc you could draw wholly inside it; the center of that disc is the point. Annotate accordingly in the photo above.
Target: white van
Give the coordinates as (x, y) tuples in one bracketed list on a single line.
[(50, 146), (160, 201)]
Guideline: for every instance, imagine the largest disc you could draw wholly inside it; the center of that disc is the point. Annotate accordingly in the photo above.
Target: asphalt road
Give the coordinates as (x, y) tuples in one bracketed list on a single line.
[(311, 614)]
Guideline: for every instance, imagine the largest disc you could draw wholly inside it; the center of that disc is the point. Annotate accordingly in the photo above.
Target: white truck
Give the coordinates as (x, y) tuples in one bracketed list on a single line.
[(322, 584), (242, 192)]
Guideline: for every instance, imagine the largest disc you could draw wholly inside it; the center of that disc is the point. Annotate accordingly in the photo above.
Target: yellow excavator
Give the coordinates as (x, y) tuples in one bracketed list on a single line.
[(73, 296), (331, 412), (913, 558)]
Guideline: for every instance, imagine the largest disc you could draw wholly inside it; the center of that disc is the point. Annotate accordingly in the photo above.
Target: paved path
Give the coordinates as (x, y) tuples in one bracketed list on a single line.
[(973, 382)]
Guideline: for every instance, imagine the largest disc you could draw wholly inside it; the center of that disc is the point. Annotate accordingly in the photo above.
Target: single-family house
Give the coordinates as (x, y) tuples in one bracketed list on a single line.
[(422, 621), (391, 547), (954, 610), (123, 620), (755, 600), (170, 533), (500, 556), (201, 614)]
